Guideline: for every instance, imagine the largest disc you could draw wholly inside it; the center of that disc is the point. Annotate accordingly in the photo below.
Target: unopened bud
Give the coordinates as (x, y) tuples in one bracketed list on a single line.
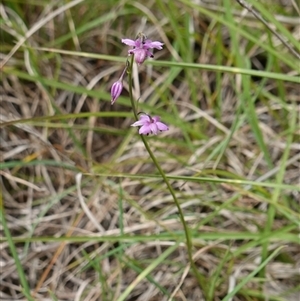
[(116, 90)]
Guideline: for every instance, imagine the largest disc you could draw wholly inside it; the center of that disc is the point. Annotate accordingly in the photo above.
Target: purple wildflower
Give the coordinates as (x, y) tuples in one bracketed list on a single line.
[(150, 125), (117, 87), (141, 46)]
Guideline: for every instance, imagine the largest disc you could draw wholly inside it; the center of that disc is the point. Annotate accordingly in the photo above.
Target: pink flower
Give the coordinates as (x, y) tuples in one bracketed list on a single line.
[(150, 125), (141, 46)]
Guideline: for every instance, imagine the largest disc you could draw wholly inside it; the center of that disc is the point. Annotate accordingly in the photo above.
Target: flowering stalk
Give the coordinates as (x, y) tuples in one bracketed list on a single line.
[(139, 52), (189, 243)]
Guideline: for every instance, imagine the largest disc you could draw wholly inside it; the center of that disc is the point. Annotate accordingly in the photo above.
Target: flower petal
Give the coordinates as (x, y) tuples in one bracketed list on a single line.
[(129, 42), (145, 130), (138, 43), (139, 55), (149, 54), (155, 44), (153, 128), (161, 126), (138, 123), (145, 117), (156, 118)]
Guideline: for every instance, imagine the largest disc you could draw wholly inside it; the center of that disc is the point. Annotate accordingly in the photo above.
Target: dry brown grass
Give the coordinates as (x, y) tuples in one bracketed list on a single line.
[(44, 200)]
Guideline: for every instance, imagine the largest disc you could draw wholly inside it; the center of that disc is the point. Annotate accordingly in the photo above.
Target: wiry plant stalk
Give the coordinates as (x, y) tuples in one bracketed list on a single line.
[(201, 279), (258, 16)]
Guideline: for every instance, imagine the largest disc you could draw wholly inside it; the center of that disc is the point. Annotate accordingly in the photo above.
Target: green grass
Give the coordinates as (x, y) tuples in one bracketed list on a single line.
[(208, 210)]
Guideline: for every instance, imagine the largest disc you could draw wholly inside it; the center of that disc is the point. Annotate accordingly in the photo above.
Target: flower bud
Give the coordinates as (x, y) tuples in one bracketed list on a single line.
[(116, 90)]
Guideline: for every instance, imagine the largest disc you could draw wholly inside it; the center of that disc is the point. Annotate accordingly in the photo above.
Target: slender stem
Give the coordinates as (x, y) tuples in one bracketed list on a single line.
[(189, 243), (258, 16)]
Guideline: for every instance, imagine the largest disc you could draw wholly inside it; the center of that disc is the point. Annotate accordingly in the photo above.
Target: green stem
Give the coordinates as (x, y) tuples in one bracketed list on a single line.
[(189, 243)]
